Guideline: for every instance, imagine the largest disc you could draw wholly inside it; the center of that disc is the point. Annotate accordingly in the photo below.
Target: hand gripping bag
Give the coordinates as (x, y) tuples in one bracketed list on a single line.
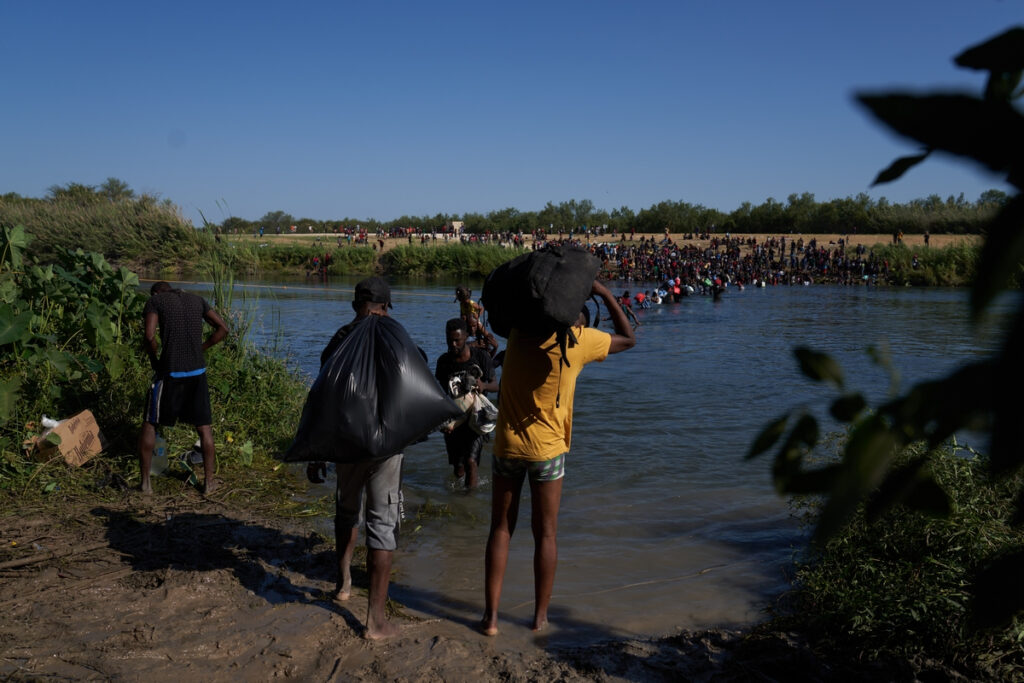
[(373, 397)]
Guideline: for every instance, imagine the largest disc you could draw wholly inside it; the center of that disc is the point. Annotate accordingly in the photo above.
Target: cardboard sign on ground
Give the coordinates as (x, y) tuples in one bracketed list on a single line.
[(80, 440)]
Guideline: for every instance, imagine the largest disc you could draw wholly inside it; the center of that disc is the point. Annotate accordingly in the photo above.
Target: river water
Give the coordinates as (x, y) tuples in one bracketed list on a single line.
[(663, 524)]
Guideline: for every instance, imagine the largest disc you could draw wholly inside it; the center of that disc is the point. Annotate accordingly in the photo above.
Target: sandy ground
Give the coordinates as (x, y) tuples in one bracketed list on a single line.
[(915, 241), (157, 589)]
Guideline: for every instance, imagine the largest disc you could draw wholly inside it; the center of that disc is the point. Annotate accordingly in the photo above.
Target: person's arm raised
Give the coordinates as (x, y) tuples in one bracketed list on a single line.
[(623, 338)]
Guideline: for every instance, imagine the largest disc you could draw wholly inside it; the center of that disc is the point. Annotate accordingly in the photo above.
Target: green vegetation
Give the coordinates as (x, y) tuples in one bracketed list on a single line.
[(916, 550), (71, 340), (459, 259), (953, 266), (900, 586), (800, 214)]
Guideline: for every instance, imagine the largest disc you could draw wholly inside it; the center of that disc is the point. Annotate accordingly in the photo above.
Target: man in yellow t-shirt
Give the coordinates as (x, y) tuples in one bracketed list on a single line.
[(532, 441)]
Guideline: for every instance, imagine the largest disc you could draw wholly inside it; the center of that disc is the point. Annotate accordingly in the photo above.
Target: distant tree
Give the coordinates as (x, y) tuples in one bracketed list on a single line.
[(277, 219), (994, 197), (622, 218), (77, 193), (233, 224), (115, 190), (13, 198)]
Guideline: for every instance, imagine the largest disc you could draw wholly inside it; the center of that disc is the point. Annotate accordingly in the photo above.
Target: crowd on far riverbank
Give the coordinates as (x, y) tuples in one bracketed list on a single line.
[(730, 260), (737, 259)]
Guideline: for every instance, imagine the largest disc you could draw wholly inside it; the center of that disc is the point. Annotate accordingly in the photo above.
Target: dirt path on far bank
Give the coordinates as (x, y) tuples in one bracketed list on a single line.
[(165, 590), (330, 241)]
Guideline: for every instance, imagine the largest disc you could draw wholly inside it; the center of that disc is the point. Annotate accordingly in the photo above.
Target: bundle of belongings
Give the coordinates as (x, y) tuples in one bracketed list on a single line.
[(373, 397), (476, 408), (540, 293)]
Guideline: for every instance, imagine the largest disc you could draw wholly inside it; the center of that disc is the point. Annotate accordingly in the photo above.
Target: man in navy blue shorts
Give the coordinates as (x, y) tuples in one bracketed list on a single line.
[(179, 390)]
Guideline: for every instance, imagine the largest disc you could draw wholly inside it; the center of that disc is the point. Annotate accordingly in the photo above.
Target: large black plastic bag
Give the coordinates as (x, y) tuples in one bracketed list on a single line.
[(374, 396)]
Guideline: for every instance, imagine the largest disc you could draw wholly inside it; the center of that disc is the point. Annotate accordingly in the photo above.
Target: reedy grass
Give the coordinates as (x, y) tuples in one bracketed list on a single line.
[(142, 233), (952, 266)]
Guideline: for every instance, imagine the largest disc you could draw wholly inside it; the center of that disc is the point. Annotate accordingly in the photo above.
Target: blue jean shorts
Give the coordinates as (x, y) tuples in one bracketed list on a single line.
[(538, 470)]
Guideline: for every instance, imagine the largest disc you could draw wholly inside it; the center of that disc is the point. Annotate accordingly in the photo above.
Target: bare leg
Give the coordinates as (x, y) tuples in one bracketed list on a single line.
[(545, 497), (472, 476), (504, 513), (344, 588), (205, 433), (378, 562), (147, 440)]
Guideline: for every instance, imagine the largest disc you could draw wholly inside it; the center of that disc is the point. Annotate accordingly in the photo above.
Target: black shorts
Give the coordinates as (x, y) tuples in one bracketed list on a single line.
[(463, 444), (178, 398)]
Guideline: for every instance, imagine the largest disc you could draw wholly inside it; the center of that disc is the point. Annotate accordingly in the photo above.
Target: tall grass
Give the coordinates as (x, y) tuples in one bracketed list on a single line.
[(143, 234), (952, 266)]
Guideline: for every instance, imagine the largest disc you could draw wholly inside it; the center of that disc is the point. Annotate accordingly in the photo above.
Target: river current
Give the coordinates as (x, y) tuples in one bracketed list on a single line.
[(664, 524)]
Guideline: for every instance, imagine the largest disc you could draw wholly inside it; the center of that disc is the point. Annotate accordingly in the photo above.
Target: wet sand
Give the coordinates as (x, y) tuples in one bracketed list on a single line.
[(165, 590)]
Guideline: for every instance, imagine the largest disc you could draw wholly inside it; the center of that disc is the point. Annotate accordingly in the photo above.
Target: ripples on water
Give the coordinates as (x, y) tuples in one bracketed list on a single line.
[(663, 523)]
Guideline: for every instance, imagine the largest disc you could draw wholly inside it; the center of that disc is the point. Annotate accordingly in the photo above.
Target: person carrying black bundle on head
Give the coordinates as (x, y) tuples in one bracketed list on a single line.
[(533, 438)]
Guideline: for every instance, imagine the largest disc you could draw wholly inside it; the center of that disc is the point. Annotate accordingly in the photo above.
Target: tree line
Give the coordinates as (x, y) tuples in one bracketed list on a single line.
[(801, 213)]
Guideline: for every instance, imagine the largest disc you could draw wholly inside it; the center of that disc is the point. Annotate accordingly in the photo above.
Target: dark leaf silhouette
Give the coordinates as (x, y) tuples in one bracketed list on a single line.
[(819, 366), (768, 436), (990, 132), (898, 168)]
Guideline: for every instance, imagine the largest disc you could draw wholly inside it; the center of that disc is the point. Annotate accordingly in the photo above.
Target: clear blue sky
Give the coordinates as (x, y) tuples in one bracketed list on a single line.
[(329, 110)]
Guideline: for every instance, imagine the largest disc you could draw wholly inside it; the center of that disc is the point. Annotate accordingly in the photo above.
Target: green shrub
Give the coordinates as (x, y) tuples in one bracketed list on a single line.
[(71, 339), (139, 233), (952, 266), (462, 260), (902, 585)]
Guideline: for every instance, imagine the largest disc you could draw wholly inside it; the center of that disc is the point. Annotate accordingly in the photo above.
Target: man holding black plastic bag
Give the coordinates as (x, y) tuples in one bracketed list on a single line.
[(463, 371), (374, 395)]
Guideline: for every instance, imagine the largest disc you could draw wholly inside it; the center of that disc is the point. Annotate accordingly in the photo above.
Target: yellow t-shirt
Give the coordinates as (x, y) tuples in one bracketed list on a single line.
[(535, 402)]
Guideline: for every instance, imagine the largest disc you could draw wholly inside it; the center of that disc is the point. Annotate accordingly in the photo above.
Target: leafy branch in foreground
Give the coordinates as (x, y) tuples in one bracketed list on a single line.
[(988, 130)]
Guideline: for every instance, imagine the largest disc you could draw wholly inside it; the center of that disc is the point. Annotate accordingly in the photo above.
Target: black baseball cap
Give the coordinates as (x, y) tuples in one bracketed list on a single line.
[(373, 289)]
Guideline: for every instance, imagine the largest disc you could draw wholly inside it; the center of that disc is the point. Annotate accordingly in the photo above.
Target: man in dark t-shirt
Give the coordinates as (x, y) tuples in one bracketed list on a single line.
[(462, 369), (179, 390)]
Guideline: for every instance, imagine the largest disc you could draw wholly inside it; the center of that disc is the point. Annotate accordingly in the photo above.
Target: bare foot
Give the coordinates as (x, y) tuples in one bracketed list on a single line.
[(540, 624), (210, 485), (146, 488), (342, 593), (381, 631), (488, 627)]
